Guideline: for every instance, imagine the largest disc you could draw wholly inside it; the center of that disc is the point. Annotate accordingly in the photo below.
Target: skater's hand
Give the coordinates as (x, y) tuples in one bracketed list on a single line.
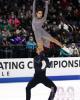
[(47, 1)]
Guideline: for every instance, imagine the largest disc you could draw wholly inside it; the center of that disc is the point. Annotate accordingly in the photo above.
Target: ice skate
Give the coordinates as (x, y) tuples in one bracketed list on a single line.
[(65, 50)]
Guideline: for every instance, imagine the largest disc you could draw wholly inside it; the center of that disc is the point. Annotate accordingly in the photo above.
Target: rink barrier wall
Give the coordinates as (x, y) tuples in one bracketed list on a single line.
[(22, 70)]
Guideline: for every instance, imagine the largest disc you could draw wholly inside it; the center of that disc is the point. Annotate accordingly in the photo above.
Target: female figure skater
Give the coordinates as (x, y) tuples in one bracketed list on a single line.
[(40, 34)]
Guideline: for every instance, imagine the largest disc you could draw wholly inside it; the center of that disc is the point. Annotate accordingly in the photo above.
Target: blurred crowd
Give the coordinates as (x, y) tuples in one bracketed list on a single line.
[(16, 35)]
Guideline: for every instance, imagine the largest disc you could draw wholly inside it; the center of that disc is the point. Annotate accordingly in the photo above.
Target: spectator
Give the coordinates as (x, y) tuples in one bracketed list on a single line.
[(5, 42), (17, 40), (74, 50), (64, 54), (64, 3), (1, 37), (30, 46), (63, 26), (14, 21)]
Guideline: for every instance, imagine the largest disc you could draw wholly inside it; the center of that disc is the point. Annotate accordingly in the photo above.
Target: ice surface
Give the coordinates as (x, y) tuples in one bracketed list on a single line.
[(67, 90)]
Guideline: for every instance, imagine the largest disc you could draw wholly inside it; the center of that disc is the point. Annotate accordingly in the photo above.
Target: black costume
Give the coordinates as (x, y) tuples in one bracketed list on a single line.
[(40, 77)]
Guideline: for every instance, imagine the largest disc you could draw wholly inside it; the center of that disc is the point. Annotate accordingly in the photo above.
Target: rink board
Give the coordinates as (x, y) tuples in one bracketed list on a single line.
[(22, 70)]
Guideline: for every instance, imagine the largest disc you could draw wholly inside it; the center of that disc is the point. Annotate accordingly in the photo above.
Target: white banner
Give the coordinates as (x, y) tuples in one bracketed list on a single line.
[(20, 68)]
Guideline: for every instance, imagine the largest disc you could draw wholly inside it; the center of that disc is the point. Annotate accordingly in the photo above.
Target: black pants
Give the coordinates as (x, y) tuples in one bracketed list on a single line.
[(36, 80)]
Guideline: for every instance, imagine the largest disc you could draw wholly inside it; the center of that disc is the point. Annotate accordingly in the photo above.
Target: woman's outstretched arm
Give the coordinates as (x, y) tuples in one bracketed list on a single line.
[(46, 10), (34, 8)]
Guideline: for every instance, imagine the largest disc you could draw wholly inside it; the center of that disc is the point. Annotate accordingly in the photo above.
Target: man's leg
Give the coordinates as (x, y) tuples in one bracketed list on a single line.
[(30, 85), (53, 92), (48, 83)]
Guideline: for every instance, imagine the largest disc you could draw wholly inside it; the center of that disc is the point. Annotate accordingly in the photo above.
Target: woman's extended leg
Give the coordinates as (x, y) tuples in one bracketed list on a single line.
[(48, 37)]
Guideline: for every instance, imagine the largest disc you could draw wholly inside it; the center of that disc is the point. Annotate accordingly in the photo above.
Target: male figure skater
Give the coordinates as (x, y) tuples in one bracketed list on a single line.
[(37, 22), (40, 77)]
